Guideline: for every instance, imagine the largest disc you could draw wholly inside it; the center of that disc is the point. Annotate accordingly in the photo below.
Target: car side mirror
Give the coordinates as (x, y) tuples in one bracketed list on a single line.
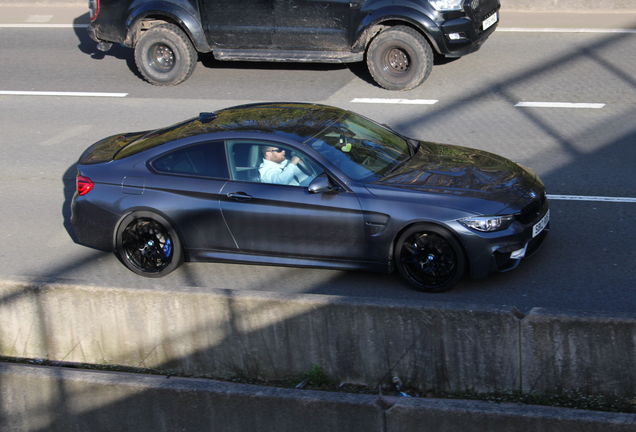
[(321, 184)]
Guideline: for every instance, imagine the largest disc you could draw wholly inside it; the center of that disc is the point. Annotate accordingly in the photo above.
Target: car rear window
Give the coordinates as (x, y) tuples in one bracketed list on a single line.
[(200, 160)]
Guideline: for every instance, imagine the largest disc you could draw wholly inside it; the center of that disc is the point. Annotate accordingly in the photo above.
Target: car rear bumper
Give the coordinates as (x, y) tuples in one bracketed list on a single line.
[(92, 33), (93, 226)]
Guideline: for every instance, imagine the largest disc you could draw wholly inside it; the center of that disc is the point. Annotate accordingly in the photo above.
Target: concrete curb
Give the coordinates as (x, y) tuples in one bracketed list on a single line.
[(35, 398)]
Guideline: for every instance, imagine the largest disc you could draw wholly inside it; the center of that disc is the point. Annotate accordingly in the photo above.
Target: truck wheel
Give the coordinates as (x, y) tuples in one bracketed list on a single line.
[(165, 56), (399, 58)]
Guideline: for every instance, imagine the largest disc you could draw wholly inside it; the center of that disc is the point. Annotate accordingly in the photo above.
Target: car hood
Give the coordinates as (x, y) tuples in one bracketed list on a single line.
[(464, 175)]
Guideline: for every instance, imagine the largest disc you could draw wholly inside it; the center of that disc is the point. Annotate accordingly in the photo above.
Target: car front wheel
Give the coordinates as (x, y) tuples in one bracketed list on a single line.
[(165, 56), (430, 258), (399, 58), (148, 245)]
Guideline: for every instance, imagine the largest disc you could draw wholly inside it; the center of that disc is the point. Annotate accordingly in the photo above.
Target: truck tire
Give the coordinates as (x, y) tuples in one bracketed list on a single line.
[(399, 58), (165, 56)]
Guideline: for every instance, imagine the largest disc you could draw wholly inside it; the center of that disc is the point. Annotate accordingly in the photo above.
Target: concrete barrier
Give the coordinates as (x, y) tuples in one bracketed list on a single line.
[(51, 399), (595, 353), (364, 341), (224, 333)]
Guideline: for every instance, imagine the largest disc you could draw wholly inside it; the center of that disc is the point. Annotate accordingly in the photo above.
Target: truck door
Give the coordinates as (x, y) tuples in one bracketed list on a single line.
[(311, 24), (239, 23)]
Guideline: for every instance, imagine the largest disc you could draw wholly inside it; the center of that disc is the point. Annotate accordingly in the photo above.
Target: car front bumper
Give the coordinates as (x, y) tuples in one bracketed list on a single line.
[(502, 250)]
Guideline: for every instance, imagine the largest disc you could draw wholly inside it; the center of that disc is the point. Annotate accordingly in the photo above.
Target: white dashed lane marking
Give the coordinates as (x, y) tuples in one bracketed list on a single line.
[(50, 93), (560, 105), (519, 104), (395, 101), (563, 30)]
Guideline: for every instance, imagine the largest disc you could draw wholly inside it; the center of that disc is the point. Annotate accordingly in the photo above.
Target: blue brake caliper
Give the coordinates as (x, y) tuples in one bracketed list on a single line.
[(167, 248)]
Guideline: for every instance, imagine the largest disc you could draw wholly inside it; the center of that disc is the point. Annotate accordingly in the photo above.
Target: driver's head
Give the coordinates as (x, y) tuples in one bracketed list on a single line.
[(274, 154)]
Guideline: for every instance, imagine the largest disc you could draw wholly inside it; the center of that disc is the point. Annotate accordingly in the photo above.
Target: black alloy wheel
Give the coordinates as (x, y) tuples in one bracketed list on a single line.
[(165, 56), (399, 58), (430, 258), (148, 245)]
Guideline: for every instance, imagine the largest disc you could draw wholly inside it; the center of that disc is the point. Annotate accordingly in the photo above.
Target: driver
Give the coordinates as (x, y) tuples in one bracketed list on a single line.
[(277, 169)]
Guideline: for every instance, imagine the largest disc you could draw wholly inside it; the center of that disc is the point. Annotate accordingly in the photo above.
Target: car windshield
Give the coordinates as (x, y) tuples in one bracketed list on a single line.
[(362, 149)]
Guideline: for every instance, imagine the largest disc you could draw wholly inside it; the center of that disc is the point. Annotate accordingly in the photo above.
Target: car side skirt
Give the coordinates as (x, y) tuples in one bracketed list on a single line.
[(202, 255)]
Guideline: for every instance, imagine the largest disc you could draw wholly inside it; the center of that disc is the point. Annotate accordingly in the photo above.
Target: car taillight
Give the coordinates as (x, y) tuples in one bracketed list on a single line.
[(84, 185), (93, 8)]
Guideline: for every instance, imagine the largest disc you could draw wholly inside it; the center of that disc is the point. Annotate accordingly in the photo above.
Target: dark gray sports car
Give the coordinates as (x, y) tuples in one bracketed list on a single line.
[(306, 185)]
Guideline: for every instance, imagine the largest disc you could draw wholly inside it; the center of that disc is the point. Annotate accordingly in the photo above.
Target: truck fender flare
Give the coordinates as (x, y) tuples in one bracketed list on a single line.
[(389, 16), (180, 13)]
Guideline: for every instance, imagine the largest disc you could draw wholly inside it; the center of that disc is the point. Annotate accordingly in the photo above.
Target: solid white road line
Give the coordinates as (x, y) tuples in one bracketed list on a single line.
[(560, 105), (592, 198), (563, 30), (49, 93), (395, 101), (27, 25)]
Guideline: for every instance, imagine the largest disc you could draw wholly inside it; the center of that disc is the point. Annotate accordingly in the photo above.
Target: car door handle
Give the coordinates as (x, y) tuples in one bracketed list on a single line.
[(239, 196)]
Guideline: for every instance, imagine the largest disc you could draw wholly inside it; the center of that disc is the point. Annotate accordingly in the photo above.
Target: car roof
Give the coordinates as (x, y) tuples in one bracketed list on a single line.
[(297, 121)]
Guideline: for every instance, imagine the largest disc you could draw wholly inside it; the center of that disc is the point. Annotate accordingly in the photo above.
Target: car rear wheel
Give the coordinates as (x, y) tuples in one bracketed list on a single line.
[(148, 245), (430, 258), (165, 56), (399, 58)]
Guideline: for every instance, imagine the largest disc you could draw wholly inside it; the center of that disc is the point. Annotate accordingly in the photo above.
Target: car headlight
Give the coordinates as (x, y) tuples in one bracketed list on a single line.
[(488, 223), (446, 5)]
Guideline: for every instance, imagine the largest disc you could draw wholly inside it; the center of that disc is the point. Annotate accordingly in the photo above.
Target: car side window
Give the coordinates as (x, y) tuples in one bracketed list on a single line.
[(245, 158), (200, 160), (269, 162)]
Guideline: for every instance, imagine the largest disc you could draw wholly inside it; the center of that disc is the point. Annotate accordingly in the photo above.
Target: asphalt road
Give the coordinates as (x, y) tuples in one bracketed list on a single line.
[(588, 262)]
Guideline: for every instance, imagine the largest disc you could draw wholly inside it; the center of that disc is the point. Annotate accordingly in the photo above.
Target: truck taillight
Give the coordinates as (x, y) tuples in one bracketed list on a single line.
[(93, 9), (84, 185)]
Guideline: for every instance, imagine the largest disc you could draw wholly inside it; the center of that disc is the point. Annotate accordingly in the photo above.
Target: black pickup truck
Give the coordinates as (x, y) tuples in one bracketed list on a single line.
[(397, 38)]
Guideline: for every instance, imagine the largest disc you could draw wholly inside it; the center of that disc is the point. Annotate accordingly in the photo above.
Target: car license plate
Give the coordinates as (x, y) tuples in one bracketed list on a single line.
[(488, 22), (540, 226)]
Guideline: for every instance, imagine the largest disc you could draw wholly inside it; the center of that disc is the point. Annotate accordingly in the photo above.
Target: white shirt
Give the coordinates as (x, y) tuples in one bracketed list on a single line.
[(281, 173)]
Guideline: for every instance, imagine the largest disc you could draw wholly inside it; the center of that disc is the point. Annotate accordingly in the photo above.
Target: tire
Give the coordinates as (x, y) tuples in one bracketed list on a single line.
[(399, 58), (148, 245), (165, 56), (430, 258)]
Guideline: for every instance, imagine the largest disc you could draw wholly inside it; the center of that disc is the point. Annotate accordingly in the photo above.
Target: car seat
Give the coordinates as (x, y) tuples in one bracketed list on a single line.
[(254, 159)]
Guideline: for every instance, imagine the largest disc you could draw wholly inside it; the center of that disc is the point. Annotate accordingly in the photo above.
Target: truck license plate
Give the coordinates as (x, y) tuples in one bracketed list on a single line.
[(488, 22)]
